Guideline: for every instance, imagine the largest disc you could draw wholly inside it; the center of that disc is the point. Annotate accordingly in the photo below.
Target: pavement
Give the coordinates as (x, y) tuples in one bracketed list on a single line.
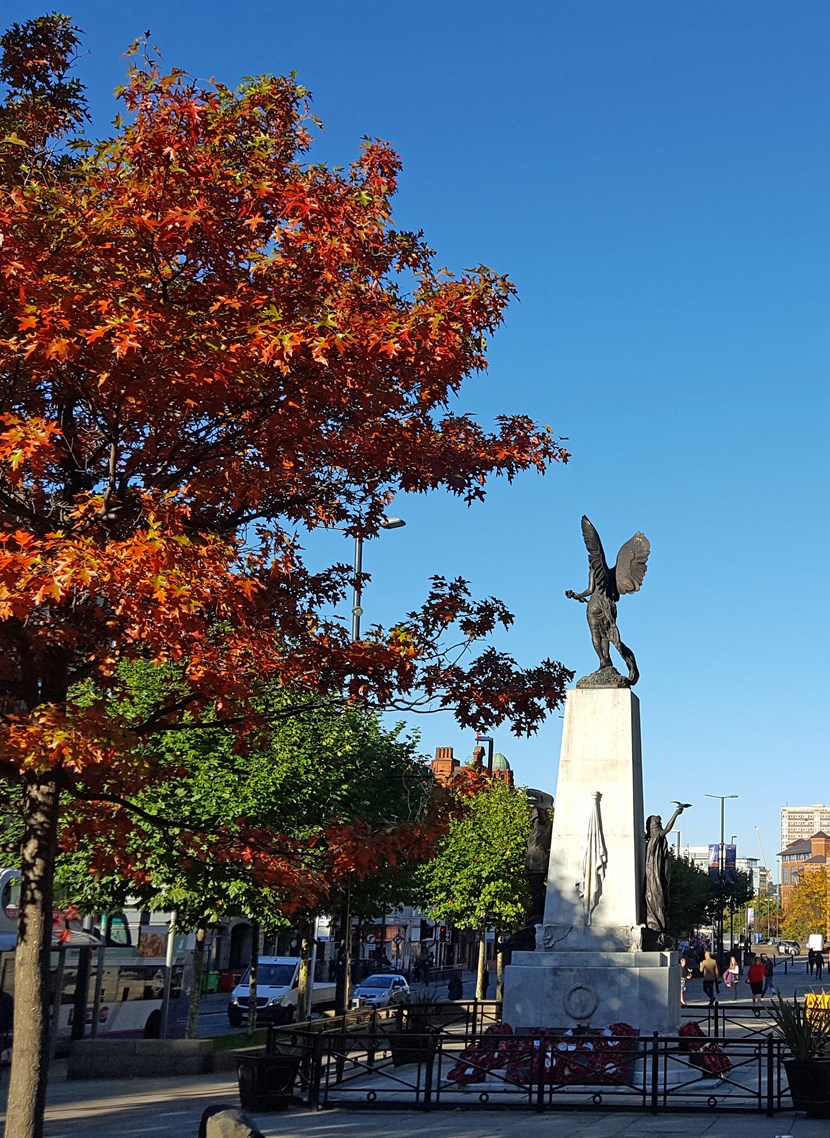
[(171, 1108)]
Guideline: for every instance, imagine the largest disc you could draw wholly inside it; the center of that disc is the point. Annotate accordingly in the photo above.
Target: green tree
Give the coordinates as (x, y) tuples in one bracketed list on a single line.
[(477, 878), (326, 801), (695, 898), (807, 908), (689, 897)]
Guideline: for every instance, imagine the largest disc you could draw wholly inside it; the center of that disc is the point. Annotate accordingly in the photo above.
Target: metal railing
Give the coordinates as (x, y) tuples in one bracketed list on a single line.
[(382, 1064)]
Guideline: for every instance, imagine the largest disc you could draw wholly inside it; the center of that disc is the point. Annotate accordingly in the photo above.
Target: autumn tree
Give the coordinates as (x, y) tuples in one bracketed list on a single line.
[(808, 909), (477, 879), (210, 344)]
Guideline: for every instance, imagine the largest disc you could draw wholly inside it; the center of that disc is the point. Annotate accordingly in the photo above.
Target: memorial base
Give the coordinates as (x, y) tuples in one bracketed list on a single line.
[(565, 989)]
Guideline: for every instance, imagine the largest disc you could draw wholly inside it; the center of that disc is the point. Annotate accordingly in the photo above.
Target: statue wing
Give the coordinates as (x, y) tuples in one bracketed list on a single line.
[(632, 563), (596, 558)]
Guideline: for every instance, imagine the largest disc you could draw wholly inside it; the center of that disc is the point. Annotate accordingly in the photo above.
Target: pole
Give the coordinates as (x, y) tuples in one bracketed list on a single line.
[(721, 864), (357, 588), (99, 974), (722, 867), (312, 968), (169, 958)]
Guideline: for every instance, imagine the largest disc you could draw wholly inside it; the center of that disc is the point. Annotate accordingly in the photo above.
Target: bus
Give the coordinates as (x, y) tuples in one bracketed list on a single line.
[(126, 969)]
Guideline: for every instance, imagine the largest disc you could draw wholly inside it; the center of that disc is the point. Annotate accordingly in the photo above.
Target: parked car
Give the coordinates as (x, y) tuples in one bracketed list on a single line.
[(789, 948), (380, 990)]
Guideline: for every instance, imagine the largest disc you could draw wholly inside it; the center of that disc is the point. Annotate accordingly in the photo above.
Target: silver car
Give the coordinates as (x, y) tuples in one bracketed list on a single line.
[(789, 948), (380, 991)]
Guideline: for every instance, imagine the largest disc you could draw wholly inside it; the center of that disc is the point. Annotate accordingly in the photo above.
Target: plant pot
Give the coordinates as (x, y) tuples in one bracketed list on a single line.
[(809, 1082), (266, 1082), (412, 1046)]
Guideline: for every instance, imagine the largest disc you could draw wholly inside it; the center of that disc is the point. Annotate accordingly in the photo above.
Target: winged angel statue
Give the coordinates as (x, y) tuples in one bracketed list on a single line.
[(605, 587)]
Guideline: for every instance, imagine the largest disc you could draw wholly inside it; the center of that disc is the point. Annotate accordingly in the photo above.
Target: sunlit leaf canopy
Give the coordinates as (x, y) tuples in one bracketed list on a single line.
[(209, 344)]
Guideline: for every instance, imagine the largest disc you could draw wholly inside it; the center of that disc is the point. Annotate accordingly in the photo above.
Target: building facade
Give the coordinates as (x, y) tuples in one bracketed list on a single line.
[(802, 822), (759, 874), (799, 857)]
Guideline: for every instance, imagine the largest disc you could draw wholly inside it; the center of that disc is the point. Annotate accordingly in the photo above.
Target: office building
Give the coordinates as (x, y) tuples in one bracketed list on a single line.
[(801, 822)]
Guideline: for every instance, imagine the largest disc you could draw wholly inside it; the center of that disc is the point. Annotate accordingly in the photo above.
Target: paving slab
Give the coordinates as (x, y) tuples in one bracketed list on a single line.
[(172, 1107)]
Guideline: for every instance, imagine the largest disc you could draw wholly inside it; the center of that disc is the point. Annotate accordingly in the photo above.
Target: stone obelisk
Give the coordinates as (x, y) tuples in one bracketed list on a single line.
[(589, 966)]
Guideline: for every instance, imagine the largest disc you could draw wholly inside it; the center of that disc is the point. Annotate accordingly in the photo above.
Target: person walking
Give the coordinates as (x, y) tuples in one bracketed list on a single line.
[(732, 974), (711, 973), (454, 987), (769, 975), (811, 961), (819, 964), (756, 977), (685, 974)]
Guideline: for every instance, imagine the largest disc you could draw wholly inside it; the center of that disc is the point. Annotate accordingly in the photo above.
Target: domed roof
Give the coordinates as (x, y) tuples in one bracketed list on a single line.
[(500, 763)]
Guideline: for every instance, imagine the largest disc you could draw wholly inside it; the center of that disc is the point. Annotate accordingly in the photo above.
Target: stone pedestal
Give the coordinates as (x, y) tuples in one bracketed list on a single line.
[(588, 967)]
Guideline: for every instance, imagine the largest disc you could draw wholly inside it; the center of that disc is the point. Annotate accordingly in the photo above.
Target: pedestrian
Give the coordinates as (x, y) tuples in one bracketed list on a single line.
[(819, 964), (6, 1024), (756, 978), (769, 975), (811, 961), (485, 983), (732, 975), (710, 973), (455, 989), (685, 974)]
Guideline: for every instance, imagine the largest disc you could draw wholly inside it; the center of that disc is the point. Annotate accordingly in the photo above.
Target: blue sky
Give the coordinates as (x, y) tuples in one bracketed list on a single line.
[(654, 178)]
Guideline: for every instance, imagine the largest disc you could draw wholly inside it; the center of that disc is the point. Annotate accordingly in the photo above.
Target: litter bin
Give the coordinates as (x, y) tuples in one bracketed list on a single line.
[(266, 1082), (210, 983)]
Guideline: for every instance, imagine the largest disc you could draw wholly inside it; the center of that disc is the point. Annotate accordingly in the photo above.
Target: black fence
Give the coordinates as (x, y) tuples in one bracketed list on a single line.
[(465, 1058)]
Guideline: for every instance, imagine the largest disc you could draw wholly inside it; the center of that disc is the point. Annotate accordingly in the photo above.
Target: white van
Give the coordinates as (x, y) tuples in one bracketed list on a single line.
[(277, 983), (815, 941)]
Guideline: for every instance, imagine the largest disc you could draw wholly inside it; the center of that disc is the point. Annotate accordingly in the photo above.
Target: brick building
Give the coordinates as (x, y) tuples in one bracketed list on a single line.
[(444, 765), (801, 856)]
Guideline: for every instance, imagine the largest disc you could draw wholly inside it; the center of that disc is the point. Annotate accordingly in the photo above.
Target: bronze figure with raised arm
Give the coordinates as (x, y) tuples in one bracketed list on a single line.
[(605, 586)]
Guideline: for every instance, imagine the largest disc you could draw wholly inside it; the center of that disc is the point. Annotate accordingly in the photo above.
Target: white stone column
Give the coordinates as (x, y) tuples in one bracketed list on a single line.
[(588, 967), (600, 770)]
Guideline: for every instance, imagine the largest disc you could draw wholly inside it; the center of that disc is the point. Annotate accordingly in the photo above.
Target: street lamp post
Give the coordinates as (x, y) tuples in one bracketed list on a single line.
[(722, 798), (732, 842), (357, 613), (357, 588)]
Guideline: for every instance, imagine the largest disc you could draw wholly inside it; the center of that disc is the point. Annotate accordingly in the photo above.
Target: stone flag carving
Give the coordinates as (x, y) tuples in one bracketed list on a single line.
[(594, 861)]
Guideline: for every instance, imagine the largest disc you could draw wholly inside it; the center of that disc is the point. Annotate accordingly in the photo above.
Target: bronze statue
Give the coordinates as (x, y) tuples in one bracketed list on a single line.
[(658, 869), (605, 587), (538, 850)]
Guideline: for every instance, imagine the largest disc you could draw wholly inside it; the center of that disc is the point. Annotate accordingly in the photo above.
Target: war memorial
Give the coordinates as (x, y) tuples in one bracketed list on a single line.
[(601, 952)]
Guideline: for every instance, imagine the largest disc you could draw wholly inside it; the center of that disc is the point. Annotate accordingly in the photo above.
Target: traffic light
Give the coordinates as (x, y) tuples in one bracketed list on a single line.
[(442, 934)]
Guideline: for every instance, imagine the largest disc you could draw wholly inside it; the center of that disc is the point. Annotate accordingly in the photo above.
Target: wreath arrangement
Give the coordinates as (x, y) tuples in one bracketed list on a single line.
[(703, 1054), (577, 1056)]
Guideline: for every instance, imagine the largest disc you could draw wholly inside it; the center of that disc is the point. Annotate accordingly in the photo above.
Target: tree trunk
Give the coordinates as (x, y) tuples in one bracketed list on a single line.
[(304, 978), (255, 935), (30, 1054), (482, 965), (499, 968), (196, 980)]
